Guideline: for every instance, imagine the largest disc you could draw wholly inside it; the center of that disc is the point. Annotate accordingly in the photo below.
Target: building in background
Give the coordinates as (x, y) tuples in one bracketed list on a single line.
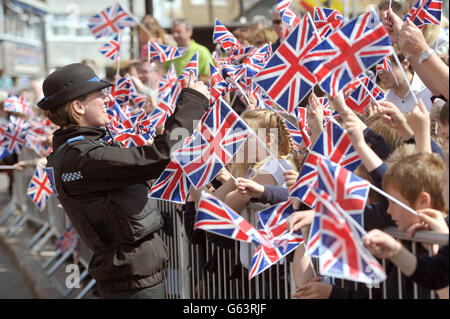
[(70, 40), (22, 42)]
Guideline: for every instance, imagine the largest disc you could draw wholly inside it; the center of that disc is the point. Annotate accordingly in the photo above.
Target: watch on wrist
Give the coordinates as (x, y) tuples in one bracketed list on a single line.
[(425, 55)]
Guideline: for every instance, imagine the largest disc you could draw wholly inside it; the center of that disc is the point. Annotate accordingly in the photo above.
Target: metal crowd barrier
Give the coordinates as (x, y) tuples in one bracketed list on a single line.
[(204, 269)]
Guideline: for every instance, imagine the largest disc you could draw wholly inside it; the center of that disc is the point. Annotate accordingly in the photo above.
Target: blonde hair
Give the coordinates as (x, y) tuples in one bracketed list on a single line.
[(268, 34), (415, 174), (390, 135), (401, 152), (151, 24), (267, 119), (431, 33)]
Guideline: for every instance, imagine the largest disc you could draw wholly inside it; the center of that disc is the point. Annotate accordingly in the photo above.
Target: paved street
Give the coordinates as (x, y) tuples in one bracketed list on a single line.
[(12, 285)]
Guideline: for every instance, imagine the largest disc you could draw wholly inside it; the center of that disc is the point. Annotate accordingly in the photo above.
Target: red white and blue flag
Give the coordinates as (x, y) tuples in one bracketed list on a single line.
[(273, 225), (220, 136), (110, 21), (302, 122), (39, 189), (347, 52), (218, 86), (111, 48), (68, 240), (216, 217), (284, 77), (121, 90), (348, 191), (14, 136), (167, 82), (295, 133), (191, 66), (226, 39), (425, 12), (385, 66), (287, 15), (341, 252), (163, 53), (328, 112), (361, 97), (327, 21), (333, 144), (172, 185), (18, 104)]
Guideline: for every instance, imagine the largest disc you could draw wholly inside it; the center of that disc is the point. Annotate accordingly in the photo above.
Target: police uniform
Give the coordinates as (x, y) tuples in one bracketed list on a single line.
[(103, 189)]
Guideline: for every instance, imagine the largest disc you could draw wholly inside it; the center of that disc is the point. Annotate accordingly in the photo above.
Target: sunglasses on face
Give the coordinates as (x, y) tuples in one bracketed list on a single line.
[(278, 21)]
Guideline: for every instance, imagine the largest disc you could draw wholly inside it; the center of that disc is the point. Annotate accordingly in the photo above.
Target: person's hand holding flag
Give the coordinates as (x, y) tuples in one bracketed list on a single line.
[(199, 86), (411, 40)]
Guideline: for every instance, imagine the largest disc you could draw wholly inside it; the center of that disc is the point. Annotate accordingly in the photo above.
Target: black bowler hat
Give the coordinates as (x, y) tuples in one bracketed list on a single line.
[(68, 83)]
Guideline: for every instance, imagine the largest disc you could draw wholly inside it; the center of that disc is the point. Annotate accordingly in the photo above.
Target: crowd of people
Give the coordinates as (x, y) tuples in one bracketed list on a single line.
[(403, 146)]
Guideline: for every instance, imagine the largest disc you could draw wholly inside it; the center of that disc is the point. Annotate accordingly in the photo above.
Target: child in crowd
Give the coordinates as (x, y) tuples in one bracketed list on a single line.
[(429, 272), (398, 87)]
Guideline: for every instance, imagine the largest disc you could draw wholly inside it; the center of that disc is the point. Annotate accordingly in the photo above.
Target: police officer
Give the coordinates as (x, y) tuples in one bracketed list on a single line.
[(103, 187)]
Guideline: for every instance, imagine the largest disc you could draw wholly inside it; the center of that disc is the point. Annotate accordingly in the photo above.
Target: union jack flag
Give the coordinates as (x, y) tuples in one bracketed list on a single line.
[(328, 112), (167, 82), (287, 15), (347, 52), (333, 144), (121, 90), (14, 136), (111, 48), (130, 139), (386, 65), (68, 240), (172, 185), (226, 39), (216, 217), (163, 53), (17, 104), (39, 189), (327, 21), (295, 133), (341, 253), (138, 99), (191, 66), (326, 16), (33, 142), (284, 77), (110, 21), (302, 122), (359, 98), (425, 12), (114, 110), (220, 136), (217, 84), (166, 106), (348, 191), (272, 225)]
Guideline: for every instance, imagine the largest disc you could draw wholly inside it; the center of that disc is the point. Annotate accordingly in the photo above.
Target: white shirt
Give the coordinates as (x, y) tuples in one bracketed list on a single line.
[(407, 103)]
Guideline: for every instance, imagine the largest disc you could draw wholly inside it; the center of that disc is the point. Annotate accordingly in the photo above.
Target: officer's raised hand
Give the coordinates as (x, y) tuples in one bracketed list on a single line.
[(197, 85)]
